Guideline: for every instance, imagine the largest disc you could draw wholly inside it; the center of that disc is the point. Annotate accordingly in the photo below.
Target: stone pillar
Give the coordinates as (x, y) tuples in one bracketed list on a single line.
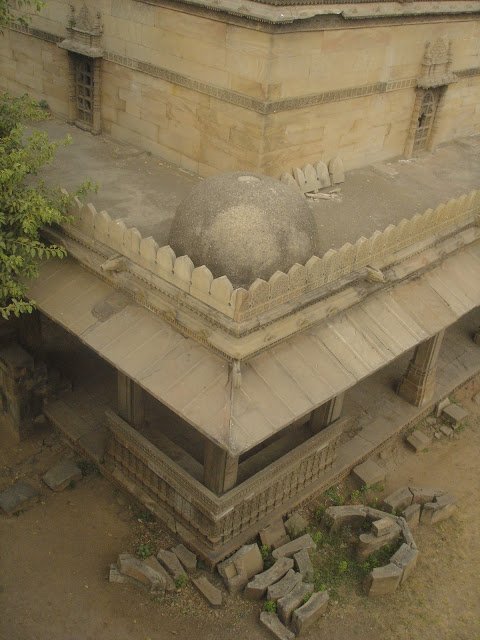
[(326, 413), (418, 383), (131, 401), (220, 469), (29, 332)]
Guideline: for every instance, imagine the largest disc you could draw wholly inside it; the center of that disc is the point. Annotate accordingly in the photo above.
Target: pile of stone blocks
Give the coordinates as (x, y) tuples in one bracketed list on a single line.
[(311, 178)]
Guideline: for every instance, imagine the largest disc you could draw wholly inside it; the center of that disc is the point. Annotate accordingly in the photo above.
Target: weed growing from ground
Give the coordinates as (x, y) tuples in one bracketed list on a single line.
[(144, 550), (266, 553), (270, 605), (181, 581)]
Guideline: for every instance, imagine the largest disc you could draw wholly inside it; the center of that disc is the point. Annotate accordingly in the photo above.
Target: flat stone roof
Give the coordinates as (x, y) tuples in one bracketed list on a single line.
[(144, 190)]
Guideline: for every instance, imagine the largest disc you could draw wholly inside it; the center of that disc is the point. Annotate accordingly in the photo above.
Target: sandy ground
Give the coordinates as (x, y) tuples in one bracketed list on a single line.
[(54, 558)]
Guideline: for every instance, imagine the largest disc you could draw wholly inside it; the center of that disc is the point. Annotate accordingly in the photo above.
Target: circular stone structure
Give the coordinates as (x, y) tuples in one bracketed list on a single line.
[(244, 226)]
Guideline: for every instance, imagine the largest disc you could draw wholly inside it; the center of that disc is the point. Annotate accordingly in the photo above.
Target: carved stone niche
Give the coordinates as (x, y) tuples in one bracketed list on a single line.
[(84, 55), (430, 96)]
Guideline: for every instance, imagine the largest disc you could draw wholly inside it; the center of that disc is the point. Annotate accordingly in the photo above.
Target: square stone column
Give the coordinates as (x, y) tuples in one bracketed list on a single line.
[(326, 414), (220, 469), (418, 383), (131, 401)]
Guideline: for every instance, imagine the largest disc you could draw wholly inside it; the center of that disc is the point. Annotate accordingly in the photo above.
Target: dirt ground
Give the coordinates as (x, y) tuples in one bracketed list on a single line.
[(54, 557)]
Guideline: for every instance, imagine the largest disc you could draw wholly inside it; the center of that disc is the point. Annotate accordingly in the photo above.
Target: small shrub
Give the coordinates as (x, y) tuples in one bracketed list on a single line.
[(144, 550), (307, 597), (266, 553), (342, 567), (333, 494), (317, 538), (270, 605), (319, 512), (43, 104), (355, 495), (181, 581)]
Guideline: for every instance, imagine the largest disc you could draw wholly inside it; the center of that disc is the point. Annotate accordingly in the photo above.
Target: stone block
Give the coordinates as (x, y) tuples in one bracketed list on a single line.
[(398, 500), (335, 168), (275, 535), (293, 600), (62, 474), (322, 174), (382, 527), (421, 495), (369, 543), (211, 594), (237, 570), (186, 557), (419, 441), (130, 566), (154, 564), (441, 509), (368, 473), (406, 559), (447, 431), (455, 414), (441, 406), (304, 565), (271, 622), (256, 589), (383, 580), (283, 586), (290, 549), (17, 497), (338, 517), (306, 615), (114, 575), (296, 525), (171, 563), (412, 515)]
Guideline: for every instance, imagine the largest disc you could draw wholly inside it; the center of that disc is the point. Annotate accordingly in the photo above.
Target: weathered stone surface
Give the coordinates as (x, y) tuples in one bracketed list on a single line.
[(322, 174), (171, 563), (398, 500), (421, 495), (62, 474), (376, 514), (292, 600), (290, 549), (368, 473), (211, 594), (275, 535), (441, 509), (406, 559), (406, 533), (412, 515), (296, 525), (237, 570), (283, 586), (369, 543), (455, 414), (441, 406), (336, 171), (130, 566), (17, 497), (383, 580), (114, 575), (271, 622), (304, 565), (306, 615), (155, 565), (447, 431), (255, 590), (419, 441), (186, 557), (382, 527), (338, 517)]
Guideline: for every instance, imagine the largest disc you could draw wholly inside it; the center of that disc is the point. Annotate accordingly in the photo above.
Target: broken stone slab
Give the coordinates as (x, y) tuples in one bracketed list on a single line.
[(155, 565), (398, 500), (406, 559), (62, 474), (211, 594), (412, 515), (311, 179), (114, 575), (455, 414), (186, 557), (296, 525), (130, 566), (382, 527), (336, 171), (304, 565), (247, 559), (406, 533), (291, 548), (292, 600), (337, 517), (419, 441), (368, 543), (322, 174), (383, 580), (447, 431), (275, 535), (441, 406), (18, 497), (271, 622), (421, 495), (287, 178), (171, 563), (256, 589), (431, 421), (306, 615), (375, 514), (368, 473), (283, 586), (440, 510)]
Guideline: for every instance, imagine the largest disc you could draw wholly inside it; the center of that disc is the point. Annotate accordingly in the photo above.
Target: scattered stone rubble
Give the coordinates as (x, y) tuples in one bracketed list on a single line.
[(18, 497), (62, 475), (451, 416)]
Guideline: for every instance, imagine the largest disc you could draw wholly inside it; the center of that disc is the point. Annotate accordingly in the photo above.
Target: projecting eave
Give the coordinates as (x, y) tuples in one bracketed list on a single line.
[(240, 405)]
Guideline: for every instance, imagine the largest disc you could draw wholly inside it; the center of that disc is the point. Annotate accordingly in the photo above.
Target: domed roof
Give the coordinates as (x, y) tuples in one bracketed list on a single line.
[(245, 226)]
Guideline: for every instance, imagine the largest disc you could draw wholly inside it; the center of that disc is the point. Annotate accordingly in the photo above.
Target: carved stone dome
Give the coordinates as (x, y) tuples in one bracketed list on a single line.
[(245, 226)]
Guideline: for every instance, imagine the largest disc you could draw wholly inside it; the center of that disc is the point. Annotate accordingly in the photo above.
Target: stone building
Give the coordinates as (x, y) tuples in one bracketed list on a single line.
[(259, 86)]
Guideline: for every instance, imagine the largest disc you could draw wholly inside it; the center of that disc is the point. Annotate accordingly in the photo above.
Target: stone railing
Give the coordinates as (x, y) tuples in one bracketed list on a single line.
[(217, 520), (380, 250)]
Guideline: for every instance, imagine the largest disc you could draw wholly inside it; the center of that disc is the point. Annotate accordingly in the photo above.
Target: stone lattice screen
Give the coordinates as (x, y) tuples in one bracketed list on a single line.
[(379, 251)]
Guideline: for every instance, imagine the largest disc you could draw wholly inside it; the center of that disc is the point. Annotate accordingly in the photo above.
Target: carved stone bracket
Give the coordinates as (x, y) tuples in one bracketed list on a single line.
[(436, 64), (84, 35)]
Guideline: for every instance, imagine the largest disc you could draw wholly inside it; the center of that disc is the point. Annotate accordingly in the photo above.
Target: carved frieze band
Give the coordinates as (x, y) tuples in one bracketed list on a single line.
[(247, 102)]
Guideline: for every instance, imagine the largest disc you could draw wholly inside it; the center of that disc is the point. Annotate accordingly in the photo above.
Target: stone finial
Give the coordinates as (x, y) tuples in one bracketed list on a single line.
[(335, 168)]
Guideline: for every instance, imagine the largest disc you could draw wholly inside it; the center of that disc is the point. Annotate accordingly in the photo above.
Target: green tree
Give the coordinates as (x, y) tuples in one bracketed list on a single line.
[(8, 15)]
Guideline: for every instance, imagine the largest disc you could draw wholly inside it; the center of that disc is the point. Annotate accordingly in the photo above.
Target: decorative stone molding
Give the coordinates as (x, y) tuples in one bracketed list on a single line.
[(436, 64), (84, 34)]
